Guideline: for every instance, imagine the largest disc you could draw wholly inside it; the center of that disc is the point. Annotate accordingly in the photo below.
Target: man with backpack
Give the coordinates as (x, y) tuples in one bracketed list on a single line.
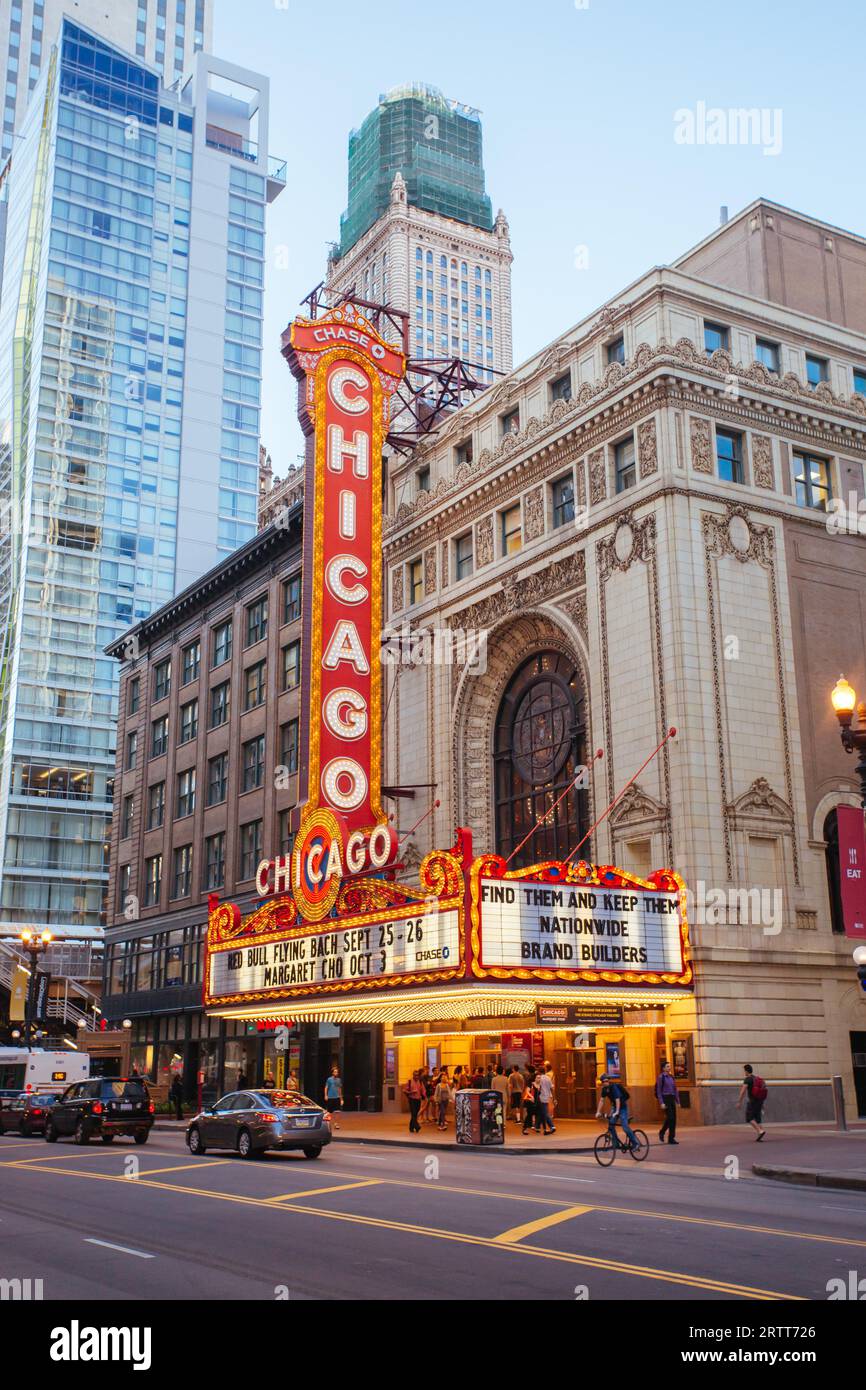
[(754, 1092)]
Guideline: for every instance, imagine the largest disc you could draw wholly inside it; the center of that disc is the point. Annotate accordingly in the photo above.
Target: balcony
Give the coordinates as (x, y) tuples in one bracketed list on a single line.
[(218, 138), (276, 177)]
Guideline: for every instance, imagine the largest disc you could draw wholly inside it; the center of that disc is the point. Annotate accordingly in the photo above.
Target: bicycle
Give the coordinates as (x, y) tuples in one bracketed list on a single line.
[(608, 1143)]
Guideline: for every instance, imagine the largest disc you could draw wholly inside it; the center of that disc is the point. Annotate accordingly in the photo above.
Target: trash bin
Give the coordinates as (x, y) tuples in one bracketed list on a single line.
[(480, 1117)]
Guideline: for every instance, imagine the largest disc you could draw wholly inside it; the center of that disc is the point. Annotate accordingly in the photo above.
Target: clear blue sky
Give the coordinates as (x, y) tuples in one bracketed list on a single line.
[(578, 109)]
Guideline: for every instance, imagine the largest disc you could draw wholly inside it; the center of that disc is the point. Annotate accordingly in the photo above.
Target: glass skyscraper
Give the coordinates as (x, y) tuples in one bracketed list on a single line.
[(132, 246)]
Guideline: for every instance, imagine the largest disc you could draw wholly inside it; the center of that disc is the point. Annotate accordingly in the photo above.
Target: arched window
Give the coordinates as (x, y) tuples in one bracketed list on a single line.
[(834, 887), (539, 743)]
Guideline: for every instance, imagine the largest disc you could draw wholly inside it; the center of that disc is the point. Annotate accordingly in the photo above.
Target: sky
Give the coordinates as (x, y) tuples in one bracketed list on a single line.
[(586, 147)]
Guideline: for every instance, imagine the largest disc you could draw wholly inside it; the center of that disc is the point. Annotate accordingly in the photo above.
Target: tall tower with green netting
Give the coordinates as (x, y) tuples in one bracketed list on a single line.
[(419, 233), (434, 143)]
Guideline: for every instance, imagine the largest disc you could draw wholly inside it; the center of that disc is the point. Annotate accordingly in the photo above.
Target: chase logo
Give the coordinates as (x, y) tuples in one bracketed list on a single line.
[(77, 1343)]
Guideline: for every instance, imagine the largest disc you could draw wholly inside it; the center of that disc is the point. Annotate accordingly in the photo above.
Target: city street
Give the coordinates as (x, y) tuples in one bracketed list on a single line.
[(375, 1223)]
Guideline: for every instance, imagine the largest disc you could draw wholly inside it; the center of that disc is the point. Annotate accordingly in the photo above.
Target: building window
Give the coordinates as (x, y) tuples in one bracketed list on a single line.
[(219, 705), (217, 779), (254, 685), (191, 662), (416, 581), (463, 452), (127, 817), (185, 793), (539, 743), (624, 465), (289, 746), (162, 680), (860, 380), (257, 620), (422, 481), (188, 721), (729, 456), (155, 805), (292, 599), (831, 859), (510, 532), (250, 849), (159, 736), (510, 422), (767, 354), (716, 336), (254, 763), (811, 481), (131, 750), (182, 879), (616, 351), (817, 369), (135, 693), (463, 556), (286, 838), (560, 390), (215, 861), (152, 880), (222, 643), (291, 665), (124, 884), (563, 500)]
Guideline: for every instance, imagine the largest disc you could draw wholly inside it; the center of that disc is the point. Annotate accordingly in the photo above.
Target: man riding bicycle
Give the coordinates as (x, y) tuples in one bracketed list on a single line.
[(618, 1097)]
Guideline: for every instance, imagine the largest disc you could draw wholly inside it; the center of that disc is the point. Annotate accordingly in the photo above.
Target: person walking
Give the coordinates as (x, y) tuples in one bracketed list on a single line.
[(500, 1086), (614, 1091), (442, 1097), (175, 1095), (515, 1089), (668, 1098), (754, 1092), (334, 1093), (529, 1106), (414, 1093), (242, 1082), (546, 1094)]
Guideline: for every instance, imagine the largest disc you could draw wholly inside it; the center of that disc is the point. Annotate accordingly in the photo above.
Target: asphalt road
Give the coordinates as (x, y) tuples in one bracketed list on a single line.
[(366, 1222)]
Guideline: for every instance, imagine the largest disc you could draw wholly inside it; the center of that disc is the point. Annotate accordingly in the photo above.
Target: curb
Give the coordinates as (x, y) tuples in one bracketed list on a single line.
[(811, 1177), (444, 1145)]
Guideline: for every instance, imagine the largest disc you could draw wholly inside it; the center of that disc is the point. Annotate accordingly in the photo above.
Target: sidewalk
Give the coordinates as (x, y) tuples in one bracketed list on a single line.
[(811, 1154)]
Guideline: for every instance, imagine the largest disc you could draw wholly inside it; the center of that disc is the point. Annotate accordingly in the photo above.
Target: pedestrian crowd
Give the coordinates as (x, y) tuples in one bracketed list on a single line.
[(528, 1094)]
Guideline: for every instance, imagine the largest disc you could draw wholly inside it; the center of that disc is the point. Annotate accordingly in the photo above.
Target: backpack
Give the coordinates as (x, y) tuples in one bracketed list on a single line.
[(759, 1089), (624, 1095)]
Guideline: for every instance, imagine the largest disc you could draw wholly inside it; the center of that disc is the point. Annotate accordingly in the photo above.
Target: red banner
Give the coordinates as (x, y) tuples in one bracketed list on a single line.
[(852, 869)]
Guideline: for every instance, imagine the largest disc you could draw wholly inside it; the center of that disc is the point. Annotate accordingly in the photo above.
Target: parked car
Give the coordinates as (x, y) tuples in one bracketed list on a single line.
[(252, 1121), (27, 1113), (102, 1108)]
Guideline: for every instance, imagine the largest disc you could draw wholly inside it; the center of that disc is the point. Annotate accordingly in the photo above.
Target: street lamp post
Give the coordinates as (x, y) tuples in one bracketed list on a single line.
[(33, 945), (853, 738)]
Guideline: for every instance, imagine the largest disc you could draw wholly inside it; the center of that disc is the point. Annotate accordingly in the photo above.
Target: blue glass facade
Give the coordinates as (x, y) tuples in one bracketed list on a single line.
[(94, 331)]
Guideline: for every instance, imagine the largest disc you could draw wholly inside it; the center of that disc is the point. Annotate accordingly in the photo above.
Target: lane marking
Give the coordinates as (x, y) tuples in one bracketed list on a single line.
[(555, 1177), (181, 1167), (104, 1151), (320, 1191), (530, 1227), (456, 1237), (515, 1197), (124, 1249)]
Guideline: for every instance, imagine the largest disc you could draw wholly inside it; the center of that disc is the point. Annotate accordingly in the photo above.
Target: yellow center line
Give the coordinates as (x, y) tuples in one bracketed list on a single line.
[(530, 1227), (320, 1191), (456, 1237), (180, 1168)]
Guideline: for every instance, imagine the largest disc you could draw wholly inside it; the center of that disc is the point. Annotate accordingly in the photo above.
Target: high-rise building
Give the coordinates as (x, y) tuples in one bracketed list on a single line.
[(418, 232), (165, 33), (132, 252)]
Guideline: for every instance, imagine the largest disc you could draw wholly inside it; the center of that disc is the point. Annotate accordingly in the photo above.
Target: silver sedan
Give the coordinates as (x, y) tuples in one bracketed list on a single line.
[(252, 1121)]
